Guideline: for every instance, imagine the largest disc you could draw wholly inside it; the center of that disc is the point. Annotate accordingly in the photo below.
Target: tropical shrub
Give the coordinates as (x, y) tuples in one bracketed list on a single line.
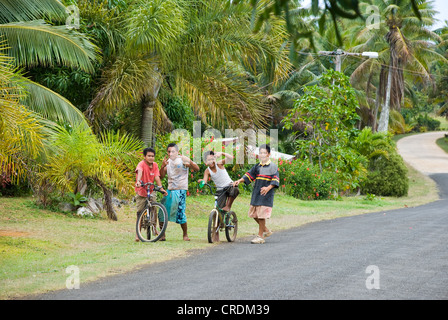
[(426, 123), (328, 112), (387, 176), (304, 181)]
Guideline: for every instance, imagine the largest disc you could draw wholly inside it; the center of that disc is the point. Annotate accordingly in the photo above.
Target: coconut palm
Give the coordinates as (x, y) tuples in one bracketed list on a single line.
[(405, 52), (32, 41), (21, 131), (195, 48)]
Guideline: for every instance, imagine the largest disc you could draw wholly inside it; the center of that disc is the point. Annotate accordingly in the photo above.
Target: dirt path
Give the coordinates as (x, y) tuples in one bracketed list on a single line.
[(422, 152)]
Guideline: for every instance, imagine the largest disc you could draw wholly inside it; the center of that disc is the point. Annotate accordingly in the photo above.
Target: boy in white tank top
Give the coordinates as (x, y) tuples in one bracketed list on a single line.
[(220, 177)]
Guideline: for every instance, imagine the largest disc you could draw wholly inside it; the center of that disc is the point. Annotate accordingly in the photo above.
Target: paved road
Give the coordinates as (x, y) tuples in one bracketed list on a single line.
[(399, 254), (423, 154)]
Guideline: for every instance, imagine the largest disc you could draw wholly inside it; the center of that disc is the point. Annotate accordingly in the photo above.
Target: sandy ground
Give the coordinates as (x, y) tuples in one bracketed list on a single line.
[(422, 152)]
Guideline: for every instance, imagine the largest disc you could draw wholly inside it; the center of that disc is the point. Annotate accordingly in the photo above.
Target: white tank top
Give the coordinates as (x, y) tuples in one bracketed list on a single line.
[(220, 177)]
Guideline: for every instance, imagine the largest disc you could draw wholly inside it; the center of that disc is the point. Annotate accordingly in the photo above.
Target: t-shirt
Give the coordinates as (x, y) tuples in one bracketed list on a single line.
[(221, 177), (263, 175), (148, 175), (177, 174)]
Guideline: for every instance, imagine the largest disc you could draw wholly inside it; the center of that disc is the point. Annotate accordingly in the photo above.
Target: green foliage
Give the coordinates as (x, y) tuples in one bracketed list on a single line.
[(425, 123), (178, 111), (329, 113), (304, 181), (387, 177), (75, 85), (387, 174), (77, 199), (372, 144), (77, 154)]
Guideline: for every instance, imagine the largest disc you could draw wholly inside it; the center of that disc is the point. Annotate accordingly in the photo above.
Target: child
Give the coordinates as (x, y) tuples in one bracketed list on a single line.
[(226, 192), (266, 177), (176, 167), (147, 171)]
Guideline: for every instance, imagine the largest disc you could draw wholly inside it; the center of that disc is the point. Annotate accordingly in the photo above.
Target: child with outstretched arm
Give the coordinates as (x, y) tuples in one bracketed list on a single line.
[(177, 167), (266, 177)]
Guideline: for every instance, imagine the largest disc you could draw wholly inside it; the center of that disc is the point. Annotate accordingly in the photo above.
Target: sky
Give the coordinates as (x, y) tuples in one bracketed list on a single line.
[(439, 5), (442, 7)]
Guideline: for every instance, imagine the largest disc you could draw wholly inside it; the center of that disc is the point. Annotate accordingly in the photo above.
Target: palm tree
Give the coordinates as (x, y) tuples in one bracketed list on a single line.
[(196, 48), (405, 52), (22, 131), (76, 155), (34, 42)]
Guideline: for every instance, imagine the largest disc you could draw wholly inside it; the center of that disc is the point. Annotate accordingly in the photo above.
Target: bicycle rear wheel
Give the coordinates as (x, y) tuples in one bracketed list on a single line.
[(213, 226), (152, 222), (231, 226)]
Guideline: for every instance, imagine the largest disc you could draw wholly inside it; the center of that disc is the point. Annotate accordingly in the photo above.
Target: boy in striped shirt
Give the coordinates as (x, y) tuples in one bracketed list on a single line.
[(266, 177)]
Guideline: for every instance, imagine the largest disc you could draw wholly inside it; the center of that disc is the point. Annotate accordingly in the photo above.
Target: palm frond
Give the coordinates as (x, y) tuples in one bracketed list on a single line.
[(25, 10), (50, 104), (221, 99), (125, 82), (35, 43)]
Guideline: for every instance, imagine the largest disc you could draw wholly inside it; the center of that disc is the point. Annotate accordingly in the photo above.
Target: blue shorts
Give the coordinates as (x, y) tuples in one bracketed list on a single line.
[(175, 204)]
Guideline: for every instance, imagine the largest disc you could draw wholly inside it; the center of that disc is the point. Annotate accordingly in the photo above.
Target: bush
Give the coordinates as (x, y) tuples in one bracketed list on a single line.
[(387, 177), (304, 181), (425, 123)]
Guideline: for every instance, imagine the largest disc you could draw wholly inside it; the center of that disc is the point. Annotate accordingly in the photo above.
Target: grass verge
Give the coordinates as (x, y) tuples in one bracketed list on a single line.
[(443, 143), (36, 246)]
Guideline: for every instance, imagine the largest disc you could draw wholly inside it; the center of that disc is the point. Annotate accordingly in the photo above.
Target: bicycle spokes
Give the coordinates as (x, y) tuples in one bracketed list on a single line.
[(151, 223)]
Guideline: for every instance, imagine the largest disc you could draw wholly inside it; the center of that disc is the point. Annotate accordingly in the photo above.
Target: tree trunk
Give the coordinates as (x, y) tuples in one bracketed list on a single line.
[(383, 125), (147, 121), (111, 213), (377, 106), (378, 99), (148, 103)]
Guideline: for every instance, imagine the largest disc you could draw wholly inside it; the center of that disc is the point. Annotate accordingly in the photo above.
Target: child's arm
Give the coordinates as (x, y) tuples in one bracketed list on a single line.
[(248, 177), (206, 176), (190, 163), (227, 158), (163, 168), (265, 190), (274, 184), (139, 177), (159, 183)]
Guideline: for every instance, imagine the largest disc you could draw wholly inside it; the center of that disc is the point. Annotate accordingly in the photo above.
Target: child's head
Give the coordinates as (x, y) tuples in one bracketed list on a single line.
[(209, 157), (172, 150), (264, 152), (149, 154)]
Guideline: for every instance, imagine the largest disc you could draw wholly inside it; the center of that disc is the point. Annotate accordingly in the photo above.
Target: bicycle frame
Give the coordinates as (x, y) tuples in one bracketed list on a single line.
[(152, 219), (222, 214)]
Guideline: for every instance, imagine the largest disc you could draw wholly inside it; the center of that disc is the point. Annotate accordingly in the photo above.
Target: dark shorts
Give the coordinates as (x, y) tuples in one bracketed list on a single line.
[(222, 194)]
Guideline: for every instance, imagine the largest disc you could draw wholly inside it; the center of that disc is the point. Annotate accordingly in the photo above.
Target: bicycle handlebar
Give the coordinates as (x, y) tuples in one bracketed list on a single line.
[(149, 184), (210, 187), (202, 184)]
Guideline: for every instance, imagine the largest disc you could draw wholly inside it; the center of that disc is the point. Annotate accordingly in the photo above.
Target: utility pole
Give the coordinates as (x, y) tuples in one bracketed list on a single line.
[(339, 53)]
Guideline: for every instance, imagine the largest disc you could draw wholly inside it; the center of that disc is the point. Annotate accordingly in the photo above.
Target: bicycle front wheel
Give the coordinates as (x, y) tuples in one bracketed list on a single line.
[(231, 226), (213, 226), (152, 222)]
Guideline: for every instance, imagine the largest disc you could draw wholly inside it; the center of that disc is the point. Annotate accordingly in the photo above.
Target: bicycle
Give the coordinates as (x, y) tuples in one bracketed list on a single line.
[(153, 219), (219, 220)]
